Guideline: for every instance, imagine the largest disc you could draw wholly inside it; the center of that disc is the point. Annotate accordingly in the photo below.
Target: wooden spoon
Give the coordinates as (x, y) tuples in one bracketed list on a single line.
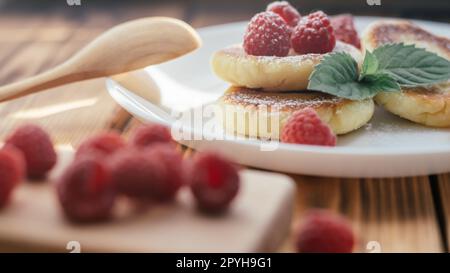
[(125, 47)]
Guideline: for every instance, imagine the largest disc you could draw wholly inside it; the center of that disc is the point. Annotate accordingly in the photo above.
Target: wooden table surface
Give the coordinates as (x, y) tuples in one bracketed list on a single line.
[(400, 214)]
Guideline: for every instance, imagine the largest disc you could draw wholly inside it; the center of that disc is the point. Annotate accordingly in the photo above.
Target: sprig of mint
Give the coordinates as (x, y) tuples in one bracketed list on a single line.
[(385, 69)]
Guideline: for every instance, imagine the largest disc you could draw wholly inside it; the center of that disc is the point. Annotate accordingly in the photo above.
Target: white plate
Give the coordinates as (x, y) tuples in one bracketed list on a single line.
[(388, 146)]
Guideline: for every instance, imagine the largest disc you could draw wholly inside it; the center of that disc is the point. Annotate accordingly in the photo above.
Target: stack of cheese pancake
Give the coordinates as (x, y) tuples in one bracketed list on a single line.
[(269, 87)]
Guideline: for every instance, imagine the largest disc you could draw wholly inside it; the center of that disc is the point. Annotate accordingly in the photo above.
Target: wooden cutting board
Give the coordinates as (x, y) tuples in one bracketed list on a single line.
[(258, 221)]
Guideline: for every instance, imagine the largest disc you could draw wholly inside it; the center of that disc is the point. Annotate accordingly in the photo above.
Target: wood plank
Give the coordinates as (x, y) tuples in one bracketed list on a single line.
[(397, 213), (444, 195)]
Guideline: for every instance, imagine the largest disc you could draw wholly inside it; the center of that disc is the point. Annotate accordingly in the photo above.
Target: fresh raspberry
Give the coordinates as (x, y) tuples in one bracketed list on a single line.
[(149, 134), (214, 182), (313, 34), (166, 189), (12, 172), (136, 174), (324, 232), (306, 127), (103, 144), (267, 34), (289, 14), (85, 190), (344, 29), (37, 148)]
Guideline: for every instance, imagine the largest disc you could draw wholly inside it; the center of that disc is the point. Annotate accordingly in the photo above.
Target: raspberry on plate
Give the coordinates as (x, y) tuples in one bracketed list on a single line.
[(214, 182), (306, 127), (85, 190), (103, 144), (149, 134), (12, 172), (322, 231), (166, 189), (344, 29), (267, 34), (289, 14), (313, 34), (37, 148), (136, 174)]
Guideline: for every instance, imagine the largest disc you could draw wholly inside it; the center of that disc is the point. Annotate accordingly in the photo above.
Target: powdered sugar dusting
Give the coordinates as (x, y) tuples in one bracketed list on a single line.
[(285, 100), (237, 51)]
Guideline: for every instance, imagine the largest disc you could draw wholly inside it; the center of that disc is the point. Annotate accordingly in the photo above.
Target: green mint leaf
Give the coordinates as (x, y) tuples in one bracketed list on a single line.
[(337, 74), (411, 66), (382, 82), (369, 66)]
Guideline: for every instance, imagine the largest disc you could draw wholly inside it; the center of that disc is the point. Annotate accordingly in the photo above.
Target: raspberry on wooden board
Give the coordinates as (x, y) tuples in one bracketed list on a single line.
[(103, 144), (12, 172), (37, 148), (136, 174), (214, 182), (85, 190), (149, 134), (165, 189)]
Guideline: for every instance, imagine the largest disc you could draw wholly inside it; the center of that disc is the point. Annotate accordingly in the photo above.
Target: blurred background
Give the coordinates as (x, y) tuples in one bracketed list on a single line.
[(203, 12)]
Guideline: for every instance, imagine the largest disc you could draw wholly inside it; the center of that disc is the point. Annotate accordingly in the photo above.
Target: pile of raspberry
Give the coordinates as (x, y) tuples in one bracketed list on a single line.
[(148, 168), (281, 27)]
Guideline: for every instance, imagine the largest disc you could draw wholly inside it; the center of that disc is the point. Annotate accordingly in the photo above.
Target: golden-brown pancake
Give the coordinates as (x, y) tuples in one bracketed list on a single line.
[(262, 114), (425, 105), (402, 31), (270, 73)]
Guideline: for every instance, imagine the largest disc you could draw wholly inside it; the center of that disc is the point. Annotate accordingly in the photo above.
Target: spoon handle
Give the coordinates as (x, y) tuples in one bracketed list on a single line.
[(55, 77)]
